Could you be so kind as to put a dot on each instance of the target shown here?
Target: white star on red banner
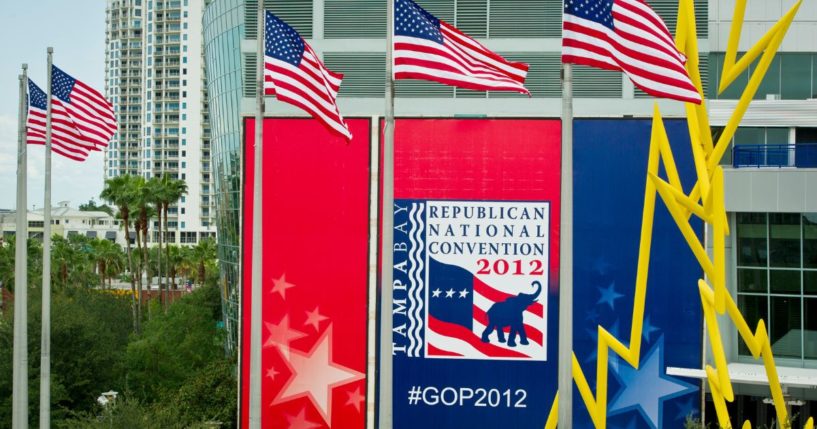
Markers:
(315, 375)
(314, 319)
(281, 285)
(281, 335)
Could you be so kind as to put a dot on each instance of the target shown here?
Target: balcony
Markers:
(799, 155)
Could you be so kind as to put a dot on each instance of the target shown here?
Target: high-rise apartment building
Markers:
(154, 75)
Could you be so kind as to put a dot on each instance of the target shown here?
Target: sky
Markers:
(76, 31)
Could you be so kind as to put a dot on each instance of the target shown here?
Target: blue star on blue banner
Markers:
(647, 389)
(609, 295)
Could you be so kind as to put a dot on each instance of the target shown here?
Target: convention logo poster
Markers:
(470, 279)
(315, 275)
(475, 272)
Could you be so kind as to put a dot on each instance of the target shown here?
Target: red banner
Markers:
(315, 271)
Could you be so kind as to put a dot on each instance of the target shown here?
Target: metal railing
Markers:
(798, 155)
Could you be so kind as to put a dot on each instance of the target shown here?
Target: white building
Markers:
(65, 222)
(155, 78)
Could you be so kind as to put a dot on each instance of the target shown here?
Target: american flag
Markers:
(66, 139)
(431, 49)
(628, 36)
(295, 74)
(90, 112)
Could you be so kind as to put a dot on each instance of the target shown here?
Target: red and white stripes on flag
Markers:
(627, 35)
(66, 139)
(294, 74)
(91, 113)
(430, 49)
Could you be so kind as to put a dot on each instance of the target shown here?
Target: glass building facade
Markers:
(223, 32)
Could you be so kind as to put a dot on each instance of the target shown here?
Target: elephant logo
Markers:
(508, 313)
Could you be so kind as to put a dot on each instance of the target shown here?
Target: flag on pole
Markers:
(66, 139)
(295, 75)
(628, 36)
(428, 48)
(90, 112)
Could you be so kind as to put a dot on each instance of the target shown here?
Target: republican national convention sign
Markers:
(471, 282)
(476, 255)
(476, 218)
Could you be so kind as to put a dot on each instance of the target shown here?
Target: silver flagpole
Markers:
(257, 236)
(45, 343)
(386, 255)
(19, 397)
(566, 256)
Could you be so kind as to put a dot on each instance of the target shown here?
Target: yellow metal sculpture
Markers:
(706, 201)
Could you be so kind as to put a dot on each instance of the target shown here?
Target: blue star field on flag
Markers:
(61, 84)
(598, 11)
(282, 41)
(412, 20)
(37, 96)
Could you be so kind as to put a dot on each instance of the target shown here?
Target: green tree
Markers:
(176, 344)
(172, 190)
(203, 253)
(92, 206)
(109, 259)
(89, 336)
(119, 191)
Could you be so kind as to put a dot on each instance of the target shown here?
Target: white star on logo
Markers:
(271, 373)
(449, 293)
(280, 335)
(356, 399)
(281, 285)
(314, 319)
(316, 375)
(299, 421)
(463, 293)
(436, 293)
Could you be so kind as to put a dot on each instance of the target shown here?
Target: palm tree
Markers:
(119, 192)
(107, 256)
(173, 259)
(164, 195)
(173, 191)
(62, 255)
(202, 253)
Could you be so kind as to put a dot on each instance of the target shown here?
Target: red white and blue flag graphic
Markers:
(628, 36)
(295, 75)
(471, 282)
(428, 48)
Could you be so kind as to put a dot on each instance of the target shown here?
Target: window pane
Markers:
(753, 309)
(785, 326)
(810, 340)
(785, 281)
(810, 282)
(771, 82)
(715, 61)
(735, 89)
(796, 74)
(784, 240)
(810, 240)
(777, 135)
(751, 239)
(752, 280)
(750, 135)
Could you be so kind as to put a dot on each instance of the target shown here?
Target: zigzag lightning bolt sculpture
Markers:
(706, 201)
